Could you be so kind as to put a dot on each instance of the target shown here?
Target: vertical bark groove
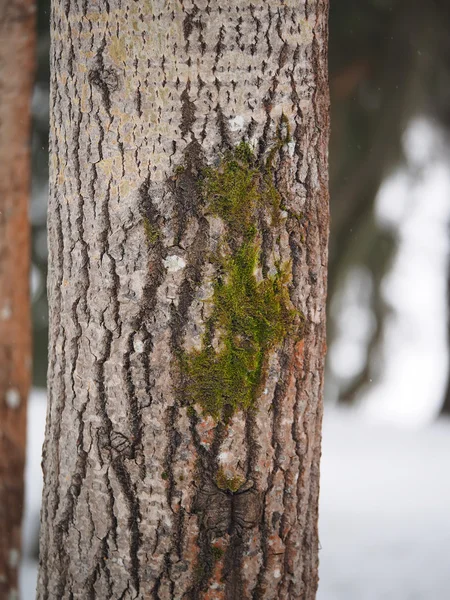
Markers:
(145, 495)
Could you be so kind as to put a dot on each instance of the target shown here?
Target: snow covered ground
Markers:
(384, 510)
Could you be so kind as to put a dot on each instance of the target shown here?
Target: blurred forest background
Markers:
(384, 524)
(389, 169)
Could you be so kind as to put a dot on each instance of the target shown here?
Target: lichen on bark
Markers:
(251, 313)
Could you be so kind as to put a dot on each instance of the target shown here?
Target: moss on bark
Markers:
(251, 314)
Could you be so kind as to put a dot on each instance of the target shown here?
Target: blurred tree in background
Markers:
(17, 37)
(387, 65)
(389, 62)
(38, 210)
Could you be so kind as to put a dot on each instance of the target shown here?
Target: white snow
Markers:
(37, 405)
(385, 498)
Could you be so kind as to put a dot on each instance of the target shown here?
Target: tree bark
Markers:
(16, 80)
(149, 491)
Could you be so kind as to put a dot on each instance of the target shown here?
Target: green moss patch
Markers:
(229, 484)
(152, 232)
(250, 315)
(217, 553)
(232, 190)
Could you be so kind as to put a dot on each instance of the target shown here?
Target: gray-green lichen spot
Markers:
(251, 314)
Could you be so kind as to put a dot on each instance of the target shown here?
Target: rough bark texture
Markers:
(16, 79)
(145, 495)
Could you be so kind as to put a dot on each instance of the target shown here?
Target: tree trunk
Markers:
(188, 225)
(445, 409)
(16, 80)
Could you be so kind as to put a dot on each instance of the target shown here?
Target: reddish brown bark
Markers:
(16, 78)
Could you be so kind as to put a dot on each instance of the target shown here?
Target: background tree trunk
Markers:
(149, 492)
(16, 80)
(446, 403)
